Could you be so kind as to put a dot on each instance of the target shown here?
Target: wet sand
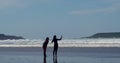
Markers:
(65, 55)
(61, 49)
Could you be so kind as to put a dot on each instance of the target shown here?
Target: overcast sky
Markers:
(36, 19)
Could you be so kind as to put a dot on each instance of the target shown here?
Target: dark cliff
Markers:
(106, 35)
(5, 37)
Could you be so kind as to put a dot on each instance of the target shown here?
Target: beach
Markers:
(65, 55)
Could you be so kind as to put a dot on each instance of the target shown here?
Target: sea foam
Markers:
(115, 42)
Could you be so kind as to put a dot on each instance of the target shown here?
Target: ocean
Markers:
(114, 42)
(70, 51)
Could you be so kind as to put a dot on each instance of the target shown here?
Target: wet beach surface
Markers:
(65, 55)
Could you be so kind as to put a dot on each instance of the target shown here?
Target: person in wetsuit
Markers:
(55, 40)
(45, 46)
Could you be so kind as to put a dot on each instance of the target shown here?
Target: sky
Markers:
(36, 19)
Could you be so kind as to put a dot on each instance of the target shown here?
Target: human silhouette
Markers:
(44, 60)
(55, 59)
(45, 45)
(55, 40)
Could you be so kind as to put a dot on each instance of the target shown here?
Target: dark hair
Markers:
(47, 38)
(54, 37)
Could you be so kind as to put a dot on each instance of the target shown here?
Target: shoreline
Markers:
(63, 49)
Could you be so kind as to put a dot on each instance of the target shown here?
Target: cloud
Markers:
(94, 11)
(115, 6)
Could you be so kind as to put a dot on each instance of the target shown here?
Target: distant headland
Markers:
(5, 37)
(106, 35)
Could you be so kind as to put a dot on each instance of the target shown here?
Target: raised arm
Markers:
(60, 38)
(52, 41)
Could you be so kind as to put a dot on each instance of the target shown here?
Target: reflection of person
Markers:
(45, 46)
(55, 40)
(44, 60)
(55, 60)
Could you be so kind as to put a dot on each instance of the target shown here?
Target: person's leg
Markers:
(44, 51)
(44, 60)
(56, 51)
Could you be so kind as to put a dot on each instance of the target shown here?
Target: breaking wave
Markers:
(115, 42)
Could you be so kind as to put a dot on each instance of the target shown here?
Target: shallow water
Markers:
(63, 57)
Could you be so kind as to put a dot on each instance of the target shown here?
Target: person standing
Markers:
(45, 46)
(55, 40)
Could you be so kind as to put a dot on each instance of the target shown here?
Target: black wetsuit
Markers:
(55, 44)
(45, 44)
(44, 47)
(55, 40)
